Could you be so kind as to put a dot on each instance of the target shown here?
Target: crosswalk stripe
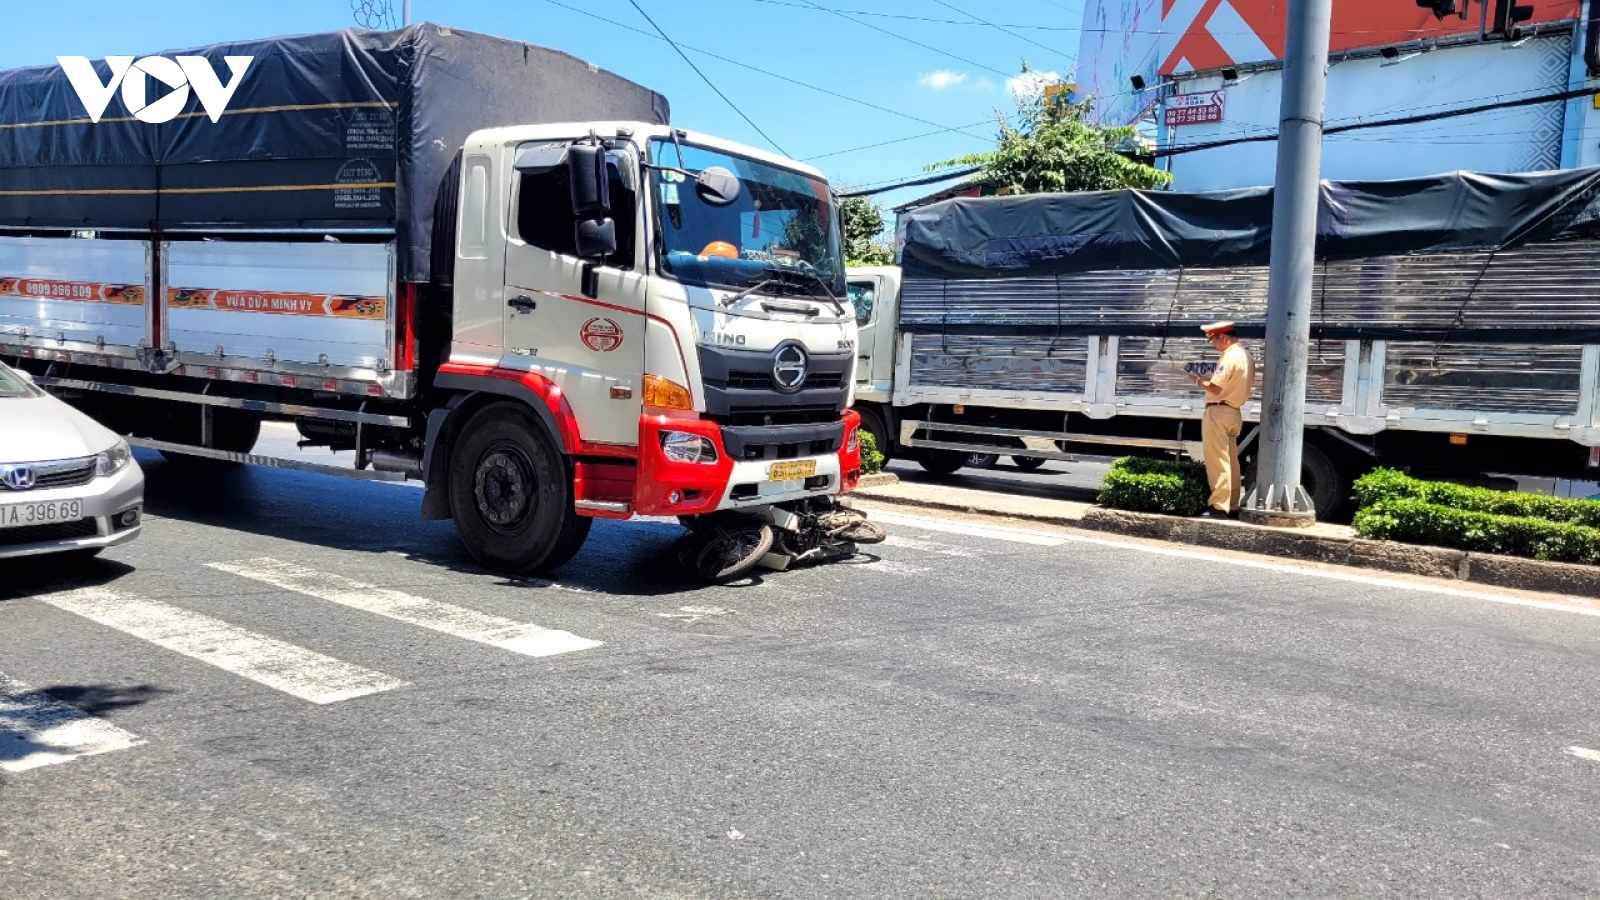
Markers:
(38, 730)
(282, 666)
(518, 637)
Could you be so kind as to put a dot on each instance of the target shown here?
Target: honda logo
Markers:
(789, 364)
(18, 478)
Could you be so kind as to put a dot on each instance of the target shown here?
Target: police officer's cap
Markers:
(1223, 327)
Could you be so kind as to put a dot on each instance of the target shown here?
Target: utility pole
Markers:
(407, 13)
(1276, 497)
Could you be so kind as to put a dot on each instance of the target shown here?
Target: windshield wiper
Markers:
(776, 277)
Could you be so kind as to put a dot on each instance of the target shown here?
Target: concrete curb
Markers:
(879, 479)
(1411, 559)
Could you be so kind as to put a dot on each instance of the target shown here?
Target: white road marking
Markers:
(910, 543)
(518, 637)
(1051, 539)
(891, 567)
(38, 730)
(1585, 753)
(282, 666)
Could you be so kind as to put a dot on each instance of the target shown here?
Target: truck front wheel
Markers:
(509, 494)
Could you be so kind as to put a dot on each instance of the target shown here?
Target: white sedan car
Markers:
(67, 484)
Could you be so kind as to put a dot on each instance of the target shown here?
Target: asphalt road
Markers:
(298, 689)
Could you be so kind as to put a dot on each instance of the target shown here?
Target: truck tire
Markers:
(233, 430)
(1325, 480)
(1027, 463)
(509, 493)
(573, 534)
(872, 424)
(942, 462)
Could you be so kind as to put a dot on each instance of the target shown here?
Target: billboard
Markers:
(1123, 39)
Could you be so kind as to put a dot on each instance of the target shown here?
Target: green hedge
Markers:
(1419, 522)
(1156, 485)
(1383, 485)
(871, 460)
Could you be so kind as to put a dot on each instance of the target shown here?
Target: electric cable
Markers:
(709, 83)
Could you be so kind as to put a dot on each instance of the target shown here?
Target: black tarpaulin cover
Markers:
(1042, 234)
(343, 130)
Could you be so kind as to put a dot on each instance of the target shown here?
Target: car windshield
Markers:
(781, 229)
(12, 385)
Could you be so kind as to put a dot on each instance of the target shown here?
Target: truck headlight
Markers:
(686, 447)
(110, 462)
(853, 442)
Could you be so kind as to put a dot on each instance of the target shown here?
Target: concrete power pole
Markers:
(1277, 497)
(407, 13)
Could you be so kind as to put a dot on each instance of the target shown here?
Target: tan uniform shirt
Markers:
(1234, 376)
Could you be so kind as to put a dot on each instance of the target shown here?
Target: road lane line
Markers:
(518, 637)
(278, 665)
(1585, 753)
(37, 730)
(1050, 539)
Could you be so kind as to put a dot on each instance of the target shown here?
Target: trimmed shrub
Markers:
(1419, 522)
(1382, 485)
(1156, 485)
(871, 460)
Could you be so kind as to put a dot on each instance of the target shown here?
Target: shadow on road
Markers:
(1050, 484)
(32, 575)
(625, 558)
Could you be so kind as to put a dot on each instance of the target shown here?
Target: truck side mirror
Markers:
(596, 237)
(717, 186)
(591, 191)
(596, 232)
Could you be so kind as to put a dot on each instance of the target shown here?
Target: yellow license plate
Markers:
(788, 471)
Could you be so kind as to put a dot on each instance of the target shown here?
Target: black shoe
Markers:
(1213, 513)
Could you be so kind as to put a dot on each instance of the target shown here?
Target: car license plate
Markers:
(788, 471)
(22, 515)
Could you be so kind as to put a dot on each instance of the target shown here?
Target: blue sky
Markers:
(878, 73)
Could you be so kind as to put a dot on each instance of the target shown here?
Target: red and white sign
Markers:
(601, 335)
(1193, 109)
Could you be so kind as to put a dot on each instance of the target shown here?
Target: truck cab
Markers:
(672, 306)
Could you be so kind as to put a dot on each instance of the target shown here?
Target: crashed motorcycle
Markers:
(725, 546)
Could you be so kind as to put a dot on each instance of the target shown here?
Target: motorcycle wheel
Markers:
(728, 551)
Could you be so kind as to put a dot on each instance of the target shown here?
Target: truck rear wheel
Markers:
(1325, 480)
(942, 462)
(872, 424)
(233, 430)
(509, 493)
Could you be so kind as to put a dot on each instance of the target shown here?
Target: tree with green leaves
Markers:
(863, 223)
(1053, 145)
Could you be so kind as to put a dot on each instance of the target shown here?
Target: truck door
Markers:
(875, 337)
(591, 346)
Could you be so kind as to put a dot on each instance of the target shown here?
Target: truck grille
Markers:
(39, 534)
(740, 392)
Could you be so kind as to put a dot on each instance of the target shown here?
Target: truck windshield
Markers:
(782, 223)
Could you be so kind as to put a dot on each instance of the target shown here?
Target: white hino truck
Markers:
(470, 261)
(1455, 326)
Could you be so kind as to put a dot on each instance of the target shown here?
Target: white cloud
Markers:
(941, 79)
(1031, 84)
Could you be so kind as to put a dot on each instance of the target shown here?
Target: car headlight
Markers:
(112, 461)
(686, 447)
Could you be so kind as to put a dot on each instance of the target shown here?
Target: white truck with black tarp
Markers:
(480, 263)
(1455, 329)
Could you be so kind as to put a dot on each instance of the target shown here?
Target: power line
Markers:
(931, 179)
(1004, 30)
(883, 15)
(784, 78)
(1386, 123)
(900, 140)
(1560, 96)
(708, 81)
(906, 39)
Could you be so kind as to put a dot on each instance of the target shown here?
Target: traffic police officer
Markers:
(1227, 391)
